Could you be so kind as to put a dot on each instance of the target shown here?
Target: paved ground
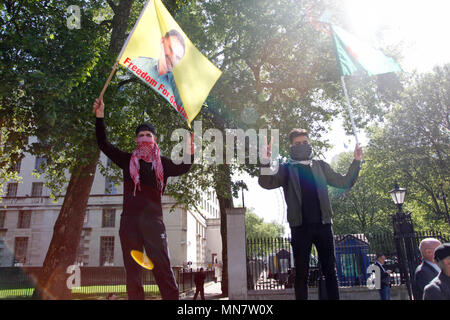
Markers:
(212, 292)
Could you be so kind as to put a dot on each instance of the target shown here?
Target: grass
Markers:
(83, 293)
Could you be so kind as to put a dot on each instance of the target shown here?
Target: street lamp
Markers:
(398, 196)
(404, 238)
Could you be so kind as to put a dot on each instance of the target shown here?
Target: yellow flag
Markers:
(160, 54)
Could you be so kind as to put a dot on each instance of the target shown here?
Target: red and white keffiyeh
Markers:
(148, 151)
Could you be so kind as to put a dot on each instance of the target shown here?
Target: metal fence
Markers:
(270, 261)
(18, 282)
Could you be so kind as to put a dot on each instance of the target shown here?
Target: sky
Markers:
(420, 27)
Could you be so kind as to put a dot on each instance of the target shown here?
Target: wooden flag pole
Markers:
(349, 109)
(109, 79)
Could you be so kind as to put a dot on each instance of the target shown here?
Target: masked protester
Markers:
(145, 174)
(304, 182)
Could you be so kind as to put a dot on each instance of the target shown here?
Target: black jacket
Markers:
(199, 278)
(148, 200)
(288, 178)
(438, 289)
(423, 275)
(385, 277)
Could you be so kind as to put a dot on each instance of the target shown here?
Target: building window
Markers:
(37, 164)
(86, 217)
(36, 189)
(12, 190)
(110, 187)
(2, 219)
(20, 251)
(83, 248)
(109, 218)
(24, 221)
(106, 251)
(2, 243)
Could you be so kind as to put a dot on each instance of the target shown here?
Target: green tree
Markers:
(276, 66)
(364, 208)
(262, 237)
(278, 72)
(412, 146)
(257, 228)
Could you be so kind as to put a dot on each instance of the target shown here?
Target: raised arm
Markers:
(115, 154)
(339, 181)
(345, 182)
(275, 180)
(171, 169)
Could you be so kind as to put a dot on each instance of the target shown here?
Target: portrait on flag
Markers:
(162, 56)
(161, 68)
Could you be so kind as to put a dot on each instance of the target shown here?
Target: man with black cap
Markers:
(145, 174)
(439, 288)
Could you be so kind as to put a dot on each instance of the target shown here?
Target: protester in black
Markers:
(141, 224)
(199, 280)
(304, 182)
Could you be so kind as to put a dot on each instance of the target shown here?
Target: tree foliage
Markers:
(410, 146)
(365, 207)
(413, 144)
(279, 72)
(257, 228)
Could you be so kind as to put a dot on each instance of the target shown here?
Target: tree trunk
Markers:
(225, 198)
(62, 251)
(67, 230)
(120, 25)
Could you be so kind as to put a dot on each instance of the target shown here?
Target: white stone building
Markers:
(27, 217)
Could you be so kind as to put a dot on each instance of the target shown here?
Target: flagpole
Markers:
(349, 107)
(109, 79)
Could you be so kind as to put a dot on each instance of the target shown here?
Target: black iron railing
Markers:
(270, 261)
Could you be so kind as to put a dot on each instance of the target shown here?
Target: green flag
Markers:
(354, 54)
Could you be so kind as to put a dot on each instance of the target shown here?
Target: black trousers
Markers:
(302, 239)
(137, 233)
(199, 288)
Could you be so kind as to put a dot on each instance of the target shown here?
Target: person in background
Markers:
(439, 288)
(199, 280)
(111, 296)
(385, 283)
(428, 269)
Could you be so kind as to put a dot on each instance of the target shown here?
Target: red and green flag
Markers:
(356, 55)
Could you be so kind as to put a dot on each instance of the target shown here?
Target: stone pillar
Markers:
(237, 260)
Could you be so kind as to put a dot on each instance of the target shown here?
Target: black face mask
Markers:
(301, 152)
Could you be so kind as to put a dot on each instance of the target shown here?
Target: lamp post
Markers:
(404, 238)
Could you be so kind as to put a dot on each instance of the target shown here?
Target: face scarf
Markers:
(148, 151)
(301, 154)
